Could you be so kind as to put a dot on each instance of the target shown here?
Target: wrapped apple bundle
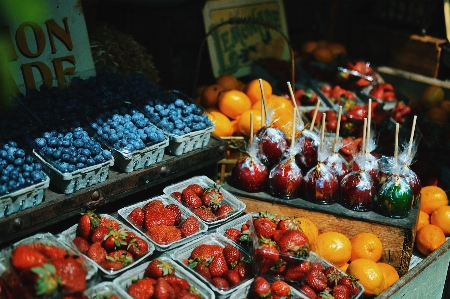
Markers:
(321, 186)
(272, 144)
(309, 140)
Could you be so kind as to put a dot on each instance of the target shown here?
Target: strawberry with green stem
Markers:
(115, 240)
(159, 268)
(87, 223)
(212, 197)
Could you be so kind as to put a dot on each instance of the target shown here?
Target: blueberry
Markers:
(10, 158)
(85, 152)
(98, 158)
(6, 146)
(159, 108)
(20, 181)
(4, 179)
(78, 143)
(179, 103)
(66, 143)
(63, 167)
(177, 132)
(106, 154)
(12, 143)
(12, 184)
(52, 142)
(3, 154)
(57, 154)
(3, 189)
(113, 138)
(81, 159)
(187, 130)
(80, 165)
(71, 168)
(26, 174)
(11, 150)
(18, 162)
(47, 135)
(29, 159)
(90, 162)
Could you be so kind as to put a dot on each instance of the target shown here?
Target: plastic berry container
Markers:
(237, 224)
(245, 291)
(104, 290)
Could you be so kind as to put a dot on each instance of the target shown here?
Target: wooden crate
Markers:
(397, 235)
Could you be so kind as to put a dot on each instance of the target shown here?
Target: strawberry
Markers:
(333, 276)
(212, 197)
(159, 268)
(233, 234)
(99, 234)
(264, 225)
(280, 289)
(141, 289)
(244, 269)
(218, 265)
(297, 272)
(88, 221)
(341, 292)
(205, 214)
(350, 282)
(72, 275)
(232, 255)
(294, 244)
(43, 278)
(121, 256)
(277, 235)
(204, 253)
(317, 280)
(202, 270)
(189, 226)
(24, 257)
(177, 196)
(138, 247)
(162, 216)
(110, 223)
(220, 283)
(154, 204)
(164, 234)
(5, 292)
(279, 267)
(317, 266)
(232, 277)
(111, 265)
(266, 254)
(190, 199)
(174, 208)
(261, 287)
(178, 284)
(224, 211)
(196, 188)
(49, 251)
(97, 253)
(137, 217)
(115, 240)
(163, 290)
(188, 295)
(289, 223)
(82, 244)
(308, 291)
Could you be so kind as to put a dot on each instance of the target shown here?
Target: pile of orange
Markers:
(323, 51)
(433, 225)
(233, 106)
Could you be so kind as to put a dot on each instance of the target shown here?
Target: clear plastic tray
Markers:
(68, 235)
(244, 291)
(365, 95)
(166, 200)
(104, 289)
(184, 252)
(126, 279)
(237, 204)
(237, 224)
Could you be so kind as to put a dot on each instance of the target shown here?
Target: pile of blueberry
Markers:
(70, 149)
(14, 122)
(52, 105)
(126, 129)
(17, 168)
(139, 88)
(175, 116)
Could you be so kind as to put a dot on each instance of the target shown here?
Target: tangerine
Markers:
(323, 55)
(423, 219)
(235, 126)
(370, 275)
(253, 90)
(228, 81)
(428, 238)
(438, 115)
(337, 49)
(431, 97)
(432, 197)
(390, 274)
(284, 123)
(334, 247)
(244, 122)
(366, 245)
(309, 47)
(309, 229)
(441, 218)
(223, 126)
(233, 103)
(210, 95)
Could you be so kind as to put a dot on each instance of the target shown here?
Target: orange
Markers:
(309, 47)
(366, 245)
(370, 275)
(334, 247)
(441, 218)
(437, 114)
(235, 126)
(244, 122)
(284, 123)
(222, 122)
(446, 105)
(210, 95)
(323, 55)
(431, 97)
(428, 238)
(233, 103)
(389, 273)
(432, 197)
(253, 90)
(423, 219)
(310, 230)
(228, 81)
(337, 49)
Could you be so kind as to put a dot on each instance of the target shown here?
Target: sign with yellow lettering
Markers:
(260, 31)
(44, 42)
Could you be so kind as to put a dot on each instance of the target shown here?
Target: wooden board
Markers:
(397, 235)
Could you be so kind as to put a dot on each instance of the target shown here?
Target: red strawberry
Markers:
(333, 276)
(317, 266)
(97, 253)
(196, 188)
(317, 280)
(224, 211)
(177, 196)
(163, 290)
(178, 284)
(341, 292)
(141, 289)
(82, 244)
(204, 253)
(350, 282)
(72, 275)
(294, 244)
(205, 214)
(233, 234)
(280, 289)
(218, 265)
(115, 240)
(190, 199)
(158, 268)
(154, 204)
(88, 221)
(264, 227)
(203, 270)
(138, 247)
(162, 216)
(220, 283)
(24, 257)
(99, 234)
(266, 254)
(232, 277)
(212, 197)
(297, 272)
(137, 217)
(5, 291)
(244, 269)
(232, 255)
(163, 234)
(110, 223)
(308, 291)
(174, 208)
(261, 287)
(42, 280)
(189, 226)
(188, 295)
(279, 267)
(49, 251)
(111, 265)
(289, 223)
(277, 235)
(121, 256)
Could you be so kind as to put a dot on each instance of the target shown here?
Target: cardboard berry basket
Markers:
(104, 290)
(166, 200)
(237, 205)
(68, 235)
(126, 279)
(183, 253)
(6, 268)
